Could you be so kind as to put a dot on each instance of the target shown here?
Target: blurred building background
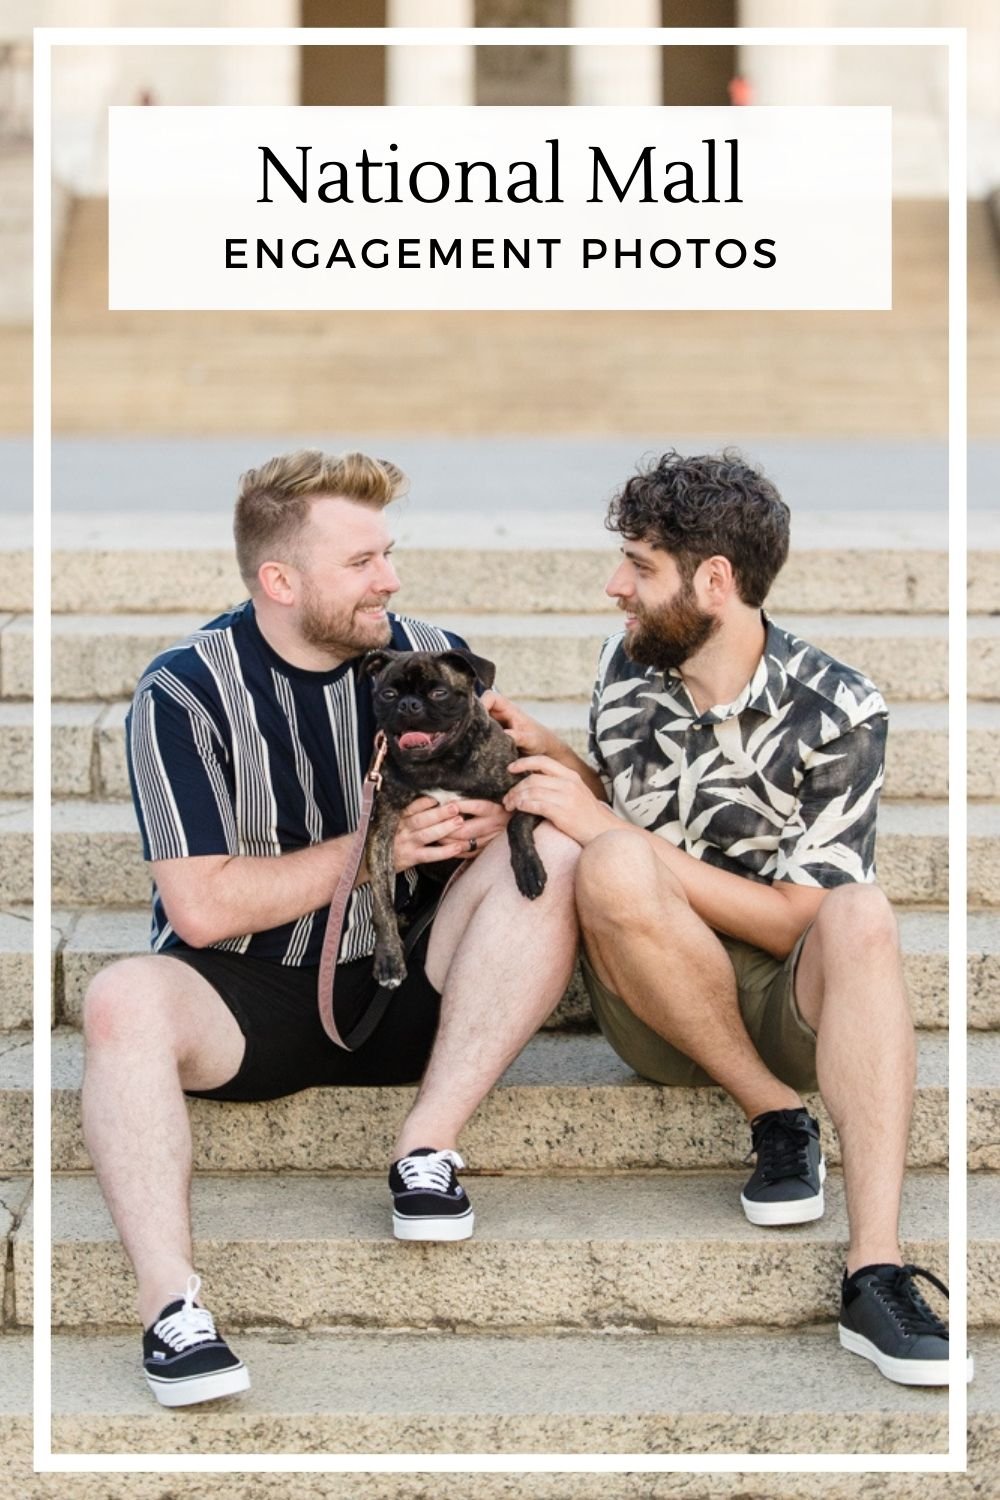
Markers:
(466, 373)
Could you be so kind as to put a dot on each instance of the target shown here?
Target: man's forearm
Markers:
(248, 893)
(772, 917)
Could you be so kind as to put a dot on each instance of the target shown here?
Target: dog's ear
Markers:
(475, 667)
(374, 662)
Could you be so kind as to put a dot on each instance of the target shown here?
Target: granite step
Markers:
(16, 937)
(491, 572)
(16, 597)
(567, 1104)
(647, 1250)
(88, 747)
(660, 1476)
(659, 1394)
(86, 940)
(680, 1392)
(15, 1214)
(97, 855)
(626, 1393)
(89, 940)
(537, 656)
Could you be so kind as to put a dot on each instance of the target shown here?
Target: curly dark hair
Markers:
(707, 506)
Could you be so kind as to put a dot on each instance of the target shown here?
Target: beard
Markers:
(667, 637)
(343, 630)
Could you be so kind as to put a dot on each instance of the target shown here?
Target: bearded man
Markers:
(732, 928)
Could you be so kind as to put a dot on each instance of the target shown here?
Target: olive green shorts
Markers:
(766, 988)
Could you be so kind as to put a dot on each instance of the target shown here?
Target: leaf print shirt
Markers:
(781, 784)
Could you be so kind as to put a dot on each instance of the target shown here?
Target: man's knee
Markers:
(127, 1002)
(620, 882)
(858, 918)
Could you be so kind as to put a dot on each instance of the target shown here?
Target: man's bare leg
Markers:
(502, 963)
(648, 946)
(153, 1027)
(849, 987)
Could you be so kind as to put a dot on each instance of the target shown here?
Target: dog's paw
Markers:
(530, 877)
(390, 970)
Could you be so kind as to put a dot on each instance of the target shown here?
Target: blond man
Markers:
(248, 743)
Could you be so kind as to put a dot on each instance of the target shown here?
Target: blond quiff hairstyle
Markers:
(274, 501)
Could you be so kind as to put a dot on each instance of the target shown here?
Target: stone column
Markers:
(259, 75)
(789, 75)
(615, 75)
(983, 20)
(83, 85)
(430, 75)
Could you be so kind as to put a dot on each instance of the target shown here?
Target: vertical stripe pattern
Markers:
(233, 751)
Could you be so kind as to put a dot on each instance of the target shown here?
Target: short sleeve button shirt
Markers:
(781, 784)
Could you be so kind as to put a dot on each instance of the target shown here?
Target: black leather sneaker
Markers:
(787, 1184)
(184, 1358)
(428, 1202)
(884, 1318)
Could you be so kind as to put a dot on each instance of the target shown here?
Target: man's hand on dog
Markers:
(530, 737)
(553, 791)
(429, 832)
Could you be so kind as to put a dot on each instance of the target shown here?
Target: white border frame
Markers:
(954, 40)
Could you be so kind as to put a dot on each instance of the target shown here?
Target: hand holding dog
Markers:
(429, 832)
(554, 791)
(530, 737)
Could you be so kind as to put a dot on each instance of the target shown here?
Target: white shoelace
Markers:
(432, 1172)
(189, 1324)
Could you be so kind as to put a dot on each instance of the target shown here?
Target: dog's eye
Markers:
(438, 692)
(387, 694)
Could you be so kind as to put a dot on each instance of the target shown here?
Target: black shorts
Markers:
(287, 1049)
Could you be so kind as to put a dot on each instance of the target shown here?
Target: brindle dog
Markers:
(441, 743)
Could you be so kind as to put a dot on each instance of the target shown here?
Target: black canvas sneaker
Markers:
(428, 1202)
(787, 1184)
(184, 1358)
(884, 1318)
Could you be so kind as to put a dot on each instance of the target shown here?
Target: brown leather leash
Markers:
(327, 975)
(338, 910)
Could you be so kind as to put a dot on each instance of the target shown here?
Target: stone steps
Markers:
(537, 656)
(85, 941)
(528, 554)
(646, 1250)
(97, 857)
(89, 940)
(16, 931)
(88, 747)
(567, 1104)
(683, 1392)
(567, 578)
(565, 1482)
(627, 1393)
(585, 1243)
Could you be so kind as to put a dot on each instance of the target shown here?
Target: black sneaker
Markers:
(184, 1358)
(787, 1184)
(428, 1202)
(885, 1319)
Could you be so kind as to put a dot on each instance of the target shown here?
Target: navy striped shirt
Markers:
(232, 750)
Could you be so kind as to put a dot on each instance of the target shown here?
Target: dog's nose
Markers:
(411, 708)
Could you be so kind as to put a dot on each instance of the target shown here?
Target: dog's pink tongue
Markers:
(412, 739)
